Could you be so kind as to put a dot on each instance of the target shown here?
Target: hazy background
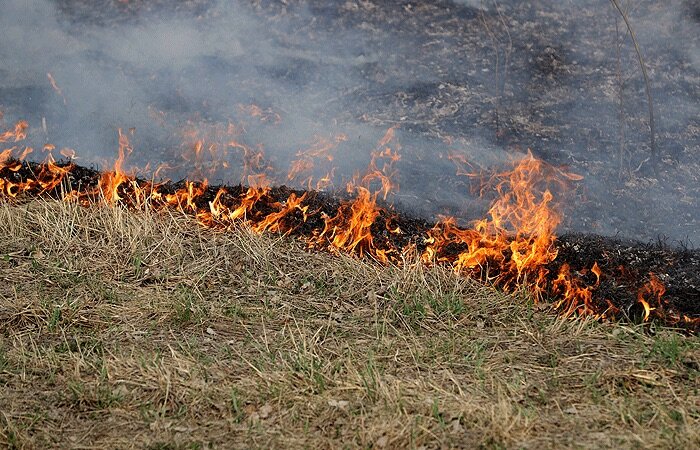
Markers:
(481, 80)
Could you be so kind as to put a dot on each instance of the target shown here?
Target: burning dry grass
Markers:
(126, 328)
(513, 247)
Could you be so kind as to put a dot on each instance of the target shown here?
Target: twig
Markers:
(507, 52)
(620, 82)
(501, 79)
(647, 87)
(495, 47)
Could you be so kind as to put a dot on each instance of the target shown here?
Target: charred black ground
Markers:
(626, 265)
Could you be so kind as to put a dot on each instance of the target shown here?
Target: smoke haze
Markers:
(482, 80)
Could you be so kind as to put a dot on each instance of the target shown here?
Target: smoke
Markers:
(183, 71)
(480, 80)
(169, 78)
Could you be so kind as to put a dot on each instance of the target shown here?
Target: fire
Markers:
(48, 176)
(5, 158)
(263, 115)
(597, 272)
(217, 150)
(18, 133)
(274, 221)
(350, 229)
(574, 297)
(517, 236)
(301, 170)
(513, 246)
(387, 174)
(651, 293)
(247, 202)
(111, 181)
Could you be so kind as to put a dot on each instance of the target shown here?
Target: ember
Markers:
(514, 247)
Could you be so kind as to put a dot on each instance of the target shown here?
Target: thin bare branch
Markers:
(647, 84)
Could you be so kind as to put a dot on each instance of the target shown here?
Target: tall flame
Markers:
(301, 169)
(517, 236)
(350, 229)
(18, 133)
(111, 180)
(651, 293)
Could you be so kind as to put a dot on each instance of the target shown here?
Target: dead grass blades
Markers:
(129, 329)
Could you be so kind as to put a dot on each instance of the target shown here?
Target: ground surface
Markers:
(123, 329)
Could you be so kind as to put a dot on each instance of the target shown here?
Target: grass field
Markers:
(127, 329)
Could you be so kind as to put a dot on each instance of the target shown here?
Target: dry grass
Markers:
(122, 329)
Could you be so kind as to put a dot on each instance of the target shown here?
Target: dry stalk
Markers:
(620, 81)
(501, 78)
(647, 85)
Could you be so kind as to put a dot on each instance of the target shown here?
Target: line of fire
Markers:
(514, 247)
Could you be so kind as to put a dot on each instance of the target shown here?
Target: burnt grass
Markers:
(626, 265)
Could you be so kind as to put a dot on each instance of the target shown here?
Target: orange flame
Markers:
(651, 292)
(387, 174)
(350, 229)
(264, 115)
(274, 221)
(211, 150)
(301, 169)
(17, 134)
(111, 181)
(518, 235)
(575, 298)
